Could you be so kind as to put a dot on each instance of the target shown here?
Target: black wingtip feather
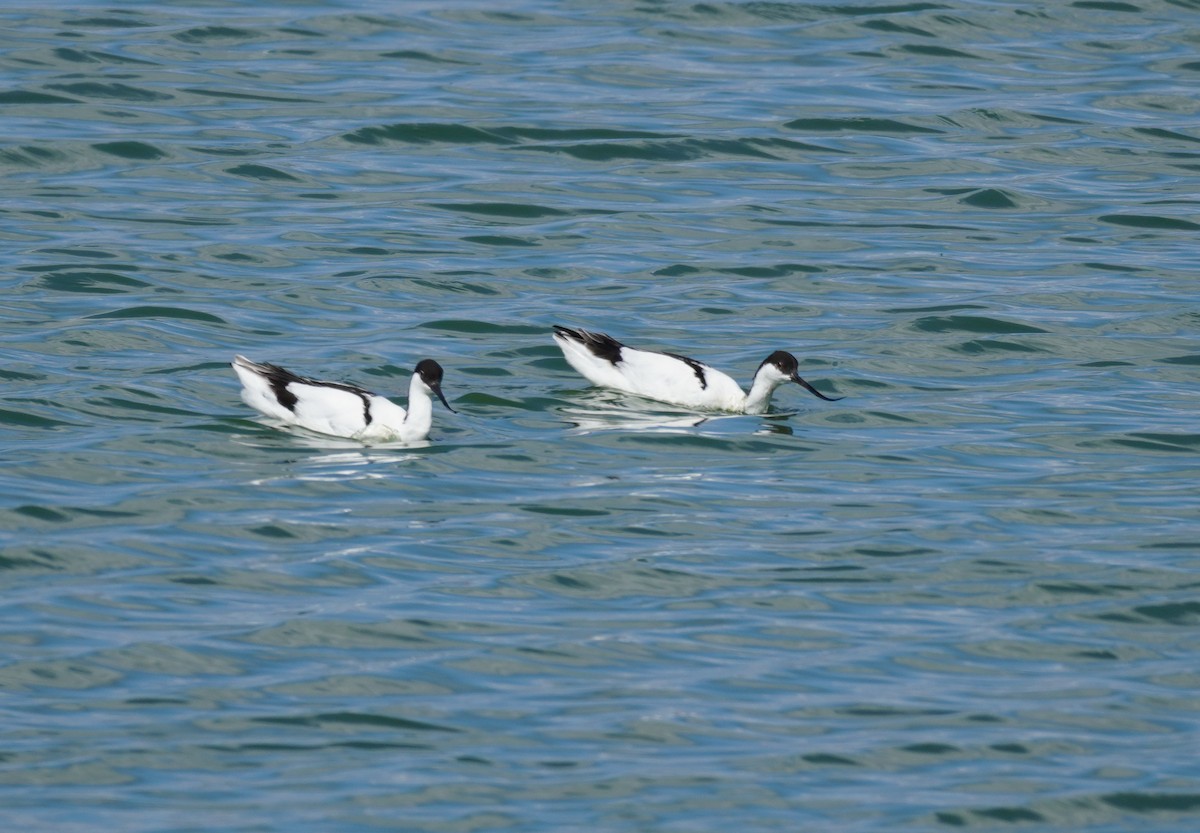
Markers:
(600, 345)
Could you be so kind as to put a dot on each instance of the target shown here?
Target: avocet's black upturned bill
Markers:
(338, 409)
(606, 362)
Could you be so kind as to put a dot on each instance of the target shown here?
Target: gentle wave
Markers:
(572, 608)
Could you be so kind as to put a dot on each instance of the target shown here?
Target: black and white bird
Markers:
(338, 409)
(674, 379)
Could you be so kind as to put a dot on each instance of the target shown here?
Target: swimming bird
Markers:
(675, 379)
(339, 409)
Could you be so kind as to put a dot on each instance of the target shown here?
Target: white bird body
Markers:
(338, 409)
(674, 379)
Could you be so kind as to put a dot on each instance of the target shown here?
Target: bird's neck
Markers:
(759, 396)
(420, 406)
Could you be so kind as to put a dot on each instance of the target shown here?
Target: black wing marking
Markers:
(608, 348)
(696, 367)
(279, 378)
(601, 346)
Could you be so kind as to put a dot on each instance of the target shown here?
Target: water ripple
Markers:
(960, 597)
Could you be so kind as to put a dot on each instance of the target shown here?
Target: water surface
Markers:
(962, 597)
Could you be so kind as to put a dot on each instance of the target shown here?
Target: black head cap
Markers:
(429, 371)
(785, 361)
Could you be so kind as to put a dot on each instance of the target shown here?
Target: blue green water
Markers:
(965, 596)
